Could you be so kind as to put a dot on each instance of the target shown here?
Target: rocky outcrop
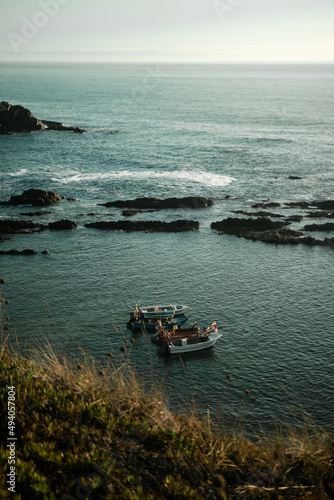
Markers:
(19, 119)
(129, 213)
(158, 204)
(327, 205)
(266, 204)
(62, 225)
(9, 226)
(324, 205)
(148, 226)
(239, 227)
(35, 197)
(282, 237)
(267, 231)
(27, 251)
(34, 214)
(329, 226)
(260, 213)
(320, 215)
(52, 125)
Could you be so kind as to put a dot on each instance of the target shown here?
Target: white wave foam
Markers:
(193, 176)
(20, 172)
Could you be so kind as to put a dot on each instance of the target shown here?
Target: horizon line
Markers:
(89, 61)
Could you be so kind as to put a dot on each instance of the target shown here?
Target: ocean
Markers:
(234, 133)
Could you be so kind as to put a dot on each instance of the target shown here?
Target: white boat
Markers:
(164, 334)
(161, 311)
(192, 344)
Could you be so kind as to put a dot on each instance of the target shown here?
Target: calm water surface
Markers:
(213, 131)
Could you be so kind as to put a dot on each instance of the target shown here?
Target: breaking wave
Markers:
(194, 176)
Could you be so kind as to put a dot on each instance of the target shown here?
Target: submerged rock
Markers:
(9, 226)
(329, 226)
(260, 230)
(324, 205)
(149, 226)
(62, 225)
(321, 205)
(266, 204)
(129, 213)
(35, 197)
(260, 213)
(239, 227)
(142, 203)
(27, 251)
(34, 214)
(52, 125)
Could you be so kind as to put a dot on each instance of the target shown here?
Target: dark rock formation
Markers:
(149, 226)
(62, 225)
(324, 205)
(9, 226)
(282, 237)
(129, 213)
(142, 203)
(239, 227)
(260, 230)
(27, 251)
(266, 205)
(294, 218)
(321, 205)
(17, 119)
(260, 213)
(34, 214)
(35, 197)
(52, 125)
(320, 215)
(329, 226)
(298, 204)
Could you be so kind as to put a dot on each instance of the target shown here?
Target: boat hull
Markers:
(171, 335)
(185, 345)
(153, 324)
(162, 311)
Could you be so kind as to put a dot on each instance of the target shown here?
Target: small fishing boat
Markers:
(192, 344)
(153, 324)
(164, 334)
(161, 311)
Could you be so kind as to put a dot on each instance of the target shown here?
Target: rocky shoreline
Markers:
(146, 226)
(157, 204)
(16, 118)
(260, 228)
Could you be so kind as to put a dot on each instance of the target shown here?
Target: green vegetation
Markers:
(86, 431)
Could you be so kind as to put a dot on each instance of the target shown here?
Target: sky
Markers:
(167, 30)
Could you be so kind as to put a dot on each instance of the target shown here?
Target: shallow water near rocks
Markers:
(211, 130)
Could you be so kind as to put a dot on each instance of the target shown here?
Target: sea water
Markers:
(233, 133)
